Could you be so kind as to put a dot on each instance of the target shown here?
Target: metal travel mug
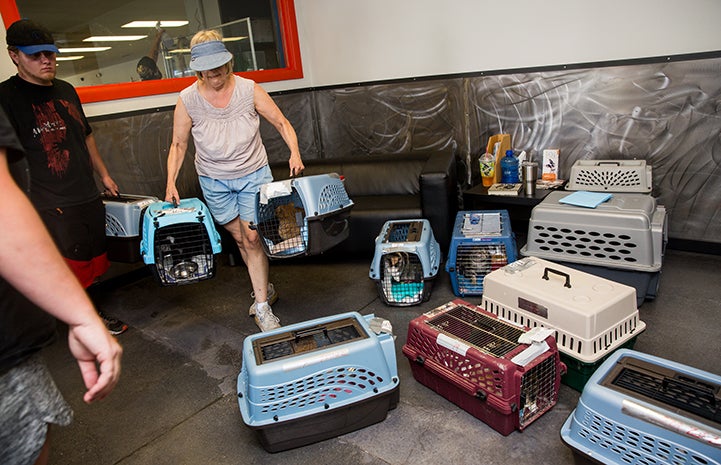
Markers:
(529, 169)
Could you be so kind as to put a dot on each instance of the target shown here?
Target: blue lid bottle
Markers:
(509, 168)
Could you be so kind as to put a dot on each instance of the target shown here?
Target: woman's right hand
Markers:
(171, 195)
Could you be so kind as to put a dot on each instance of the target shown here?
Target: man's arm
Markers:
(99, 166)
(56, 290)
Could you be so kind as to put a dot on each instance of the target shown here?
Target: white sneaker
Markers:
(272, 297)
(264, 317)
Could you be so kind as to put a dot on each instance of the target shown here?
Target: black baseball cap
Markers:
(30, 37)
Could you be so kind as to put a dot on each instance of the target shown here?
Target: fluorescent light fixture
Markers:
(113, 38)
(83, 49)
(149, 24)
(234, 39)
(70, 58)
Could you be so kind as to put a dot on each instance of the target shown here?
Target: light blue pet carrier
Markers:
(302, 216)
(317, 379)
(639, 409)
(406, 260)
(179, 243)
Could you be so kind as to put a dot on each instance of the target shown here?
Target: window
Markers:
(261, 34)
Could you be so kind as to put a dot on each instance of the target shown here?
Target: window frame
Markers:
(106, 92)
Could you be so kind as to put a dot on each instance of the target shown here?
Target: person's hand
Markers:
(171, 195)
(98, 355)
(110, 186)
(296, 165)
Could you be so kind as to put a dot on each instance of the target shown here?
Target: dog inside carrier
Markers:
(406, 260)
(302, 216)
(180, 242)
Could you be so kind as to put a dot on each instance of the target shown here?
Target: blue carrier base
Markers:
(326, 425)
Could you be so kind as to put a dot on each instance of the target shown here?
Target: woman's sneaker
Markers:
(264, 318)
(114, 325)
(272, 298)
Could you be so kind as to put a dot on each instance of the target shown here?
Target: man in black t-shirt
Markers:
(61, 153)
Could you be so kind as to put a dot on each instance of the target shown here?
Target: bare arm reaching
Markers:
(56, 290)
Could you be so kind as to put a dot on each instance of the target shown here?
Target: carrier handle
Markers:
(565, 275)
(614, 163)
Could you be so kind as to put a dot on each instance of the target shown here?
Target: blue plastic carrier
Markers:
(407, 258)
(638, 409)
(302, 216)
(482, 241)
(179, 242)
(317, 379)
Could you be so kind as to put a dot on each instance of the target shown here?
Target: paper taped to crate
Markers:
(530, 353)
(275, 189)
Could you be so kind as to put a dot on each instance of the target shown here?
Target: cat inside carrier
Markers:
(302, 216)
(406, 260)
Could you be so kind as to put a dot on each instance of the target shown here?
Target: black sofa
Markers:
(391, 187)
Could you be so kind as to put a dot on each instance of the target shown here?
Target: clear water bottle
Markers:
(509, 168)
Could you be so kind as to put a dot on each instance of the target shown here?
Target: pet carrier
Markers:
(623, 239)
(482, 241)
(405, 262)
(302, 216)
(610, 176)
(123, 218)
(317, 379)
(179, 242)
(498, 372)
(638, 409)
(591, 316)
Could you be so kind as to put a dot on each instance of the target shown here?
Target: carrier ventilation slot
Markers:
(404, 232)
(624, 178)
(487, 334)
(586, 243)
(682, 392)
(307, 340)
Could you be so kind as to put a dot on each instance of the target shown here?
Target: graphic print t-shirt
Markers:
(52, 128)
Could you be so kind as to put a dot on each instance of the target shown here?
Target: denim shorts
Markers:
(228, 199)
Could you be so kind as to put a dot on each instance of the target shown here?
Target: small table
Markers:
(519, 207)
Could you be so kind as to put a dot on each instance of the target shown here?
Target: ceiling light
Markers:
(113, 38)
(149, 24)
(234, 39)
(70, 58)
(83, 49)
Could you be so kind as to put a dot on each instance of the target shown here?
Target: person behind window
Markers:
(35, 288)
(222, 112)
(61, 154)
(147, 66)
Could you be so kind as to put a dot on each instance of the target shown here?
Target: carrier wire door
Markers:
(406, 260)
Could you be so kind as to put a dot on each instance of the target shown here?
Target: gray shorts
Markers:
(29, 401)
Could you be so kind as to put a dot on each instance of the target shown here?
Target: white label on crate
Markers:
(178, 210)
(314, 360)
(530, 354)
(452, 344)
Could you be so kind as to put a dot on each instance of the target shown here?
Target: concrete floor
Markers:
(176, 402)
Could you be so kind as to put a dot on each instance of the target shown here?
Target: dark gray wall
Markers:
(667, 113)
